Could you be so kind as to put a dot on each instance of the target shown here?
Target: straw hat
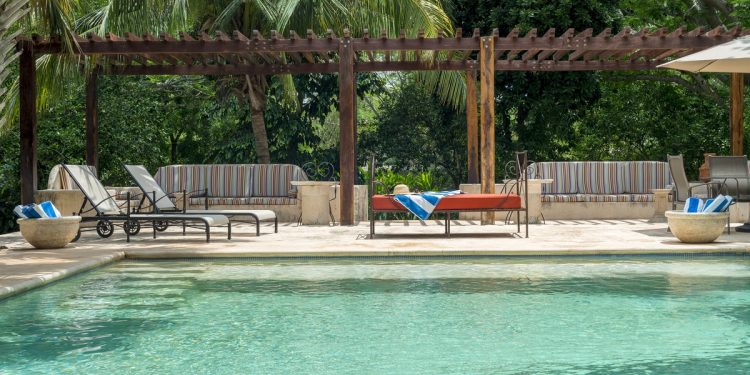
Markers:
(401, 189)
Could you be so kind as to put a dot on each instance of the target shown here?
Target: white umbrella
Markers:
(730, 57)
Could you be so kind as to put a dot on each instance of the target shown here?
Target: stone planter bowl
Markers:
(697, 228)
(49, 233)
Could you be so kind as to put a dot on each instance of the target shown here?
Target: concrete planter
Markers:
(697, 228)
(49, 233)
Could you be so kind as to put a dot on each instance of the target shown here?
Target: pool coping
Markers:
(113, 257)
(60, 274)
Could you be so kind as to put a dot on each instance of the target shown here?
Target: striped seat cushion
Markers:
(219, 201)
(597, 198)
(229, 201)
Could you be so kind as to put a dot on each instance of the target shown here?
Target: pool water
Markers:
(613, 315)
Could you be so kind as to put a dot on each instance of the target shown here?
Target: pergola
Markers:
(238, 54)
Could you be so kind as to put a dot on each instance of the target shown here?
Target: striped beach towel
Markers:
(422, 204)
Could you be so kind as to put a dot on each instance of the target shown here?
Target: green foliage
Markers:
(643, 120)
(416, 133)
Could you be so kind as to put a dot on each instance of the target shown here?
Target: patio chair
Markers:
(109, 213)
(730, 176)
(682, 189)
(162, 203)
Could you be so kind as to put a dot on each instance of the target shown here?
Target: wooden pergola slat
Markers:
(239, 54)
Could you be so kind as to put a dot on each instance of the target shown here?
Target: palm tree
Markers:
(285, 16)
(156, 16)
(10, 12)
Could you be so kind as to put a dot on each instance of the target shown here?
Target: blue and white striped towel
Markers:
(693, 205)
(719, 204)
(423, 204)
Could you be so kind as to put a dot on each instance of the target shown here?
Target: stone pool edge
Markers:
(107, 259)
(60, 274)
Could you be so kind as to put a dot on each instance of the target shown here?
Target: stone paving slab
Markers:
(22, 267)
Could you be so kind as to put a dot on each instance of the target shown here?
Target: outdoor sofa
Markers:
(600, 189)
(235, 187)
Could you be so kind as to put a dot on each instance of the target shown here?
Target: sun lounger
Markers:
(507, 200)
(163, 204)
(108, 213)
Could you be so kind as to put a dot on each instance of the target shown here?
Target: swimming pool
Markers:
(667, 315)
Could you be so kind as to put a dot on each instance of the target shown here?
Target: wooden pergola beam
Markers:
(347, 145)
(28, 124)
(92, 125)
(377, 66)
(472, 130)
(737, 109)
(487, 122)
(583, 42)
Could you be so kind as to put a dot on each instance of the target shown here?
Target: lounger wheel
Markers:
(161, 226)
(132, 227)
(104, 228)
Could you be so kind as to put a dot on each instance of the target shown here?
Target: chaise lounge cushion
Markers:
(461, 202)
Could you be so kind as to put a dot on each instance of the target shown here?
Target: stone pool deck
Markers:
(23, 268)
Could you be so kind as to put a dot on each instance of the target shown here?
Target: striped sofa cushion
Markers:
(600, 177)
(274, 180)
(177, 178)
(640, 177)
(229, 180)
(564, 176)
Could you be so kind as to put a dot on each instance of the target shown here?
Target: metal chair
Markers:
(730, 176)
(682, 189)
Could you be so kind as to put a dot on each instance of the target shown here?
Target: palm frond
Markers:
(11, 12)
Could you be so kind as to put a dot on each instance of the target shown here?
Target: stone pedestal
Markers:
(313, 196)
(661, 202)
(535, 200)
(68, 202)
(320, 199)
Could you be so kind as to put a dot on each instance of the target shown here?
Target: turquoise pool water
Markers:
(456, 316)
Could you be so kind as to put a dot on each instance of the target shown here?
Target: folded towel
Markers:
(719, 204)
(49, 209)
(422, 205)
(37, 211)
(693, 205)
(19, 212)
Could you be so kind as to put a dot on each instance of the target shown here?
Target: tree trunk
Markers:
(261, 139)
(256, 90)
(173, 153)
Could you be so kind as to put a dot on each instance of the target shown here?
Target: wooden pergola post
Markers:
(487, 115)
(472, 129)
(346, 130)
(27, 103)
(737, 109)
(92, 126)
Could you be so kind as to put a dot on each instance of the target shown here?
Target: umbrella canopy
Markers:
(730, 57)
